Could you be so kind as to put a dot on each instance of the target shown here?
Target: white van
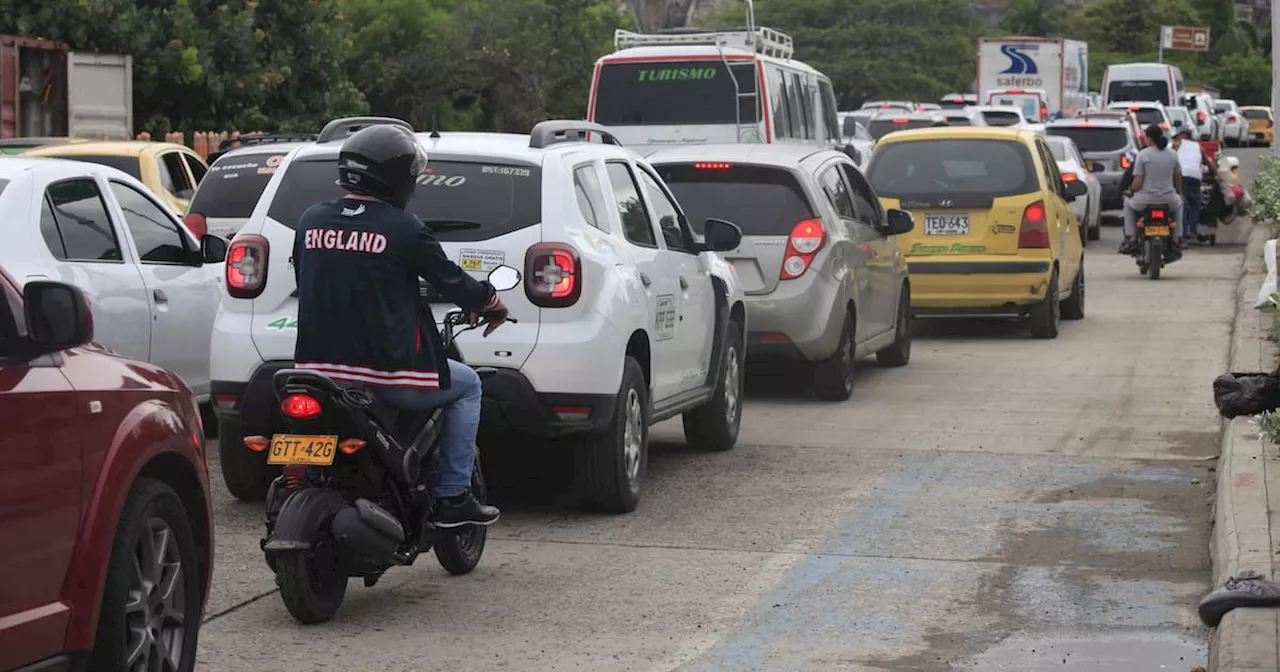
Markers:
(677, 88)
(1127, 82)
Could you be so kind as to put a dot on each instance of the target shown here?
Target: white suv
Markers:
(626, 318)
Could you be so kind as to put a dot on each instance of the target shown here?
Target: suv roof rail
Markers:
(555, 131)
(264, 139)
(339, 129)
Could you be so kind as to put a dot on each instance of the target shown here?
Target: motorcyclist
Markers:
(1157, 180)
(1193, 162)
(361, 319)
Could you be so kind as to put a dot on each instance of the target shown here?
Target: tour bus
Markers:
(684, 87)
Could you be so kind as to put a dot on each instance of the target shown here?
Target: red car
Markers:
(105, 516)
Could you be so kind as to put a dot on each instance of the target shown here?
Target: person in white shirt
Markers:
(1190, 159)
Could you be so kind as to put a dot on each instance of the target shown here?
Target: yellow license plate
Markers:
(313, 451)
(472, 264)
(1157, 231)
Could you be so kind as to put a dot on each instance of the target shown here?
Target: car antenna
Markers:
(435, 126)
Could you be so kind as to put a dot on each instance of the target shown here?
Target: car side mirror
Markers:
(504, 277)
(1075, 189)
(853, 153)
(57, 316)
(213, 249)
(897, 222)
(720, 235)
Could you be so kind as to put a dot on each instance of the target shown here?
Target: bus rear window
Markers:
(674, 92)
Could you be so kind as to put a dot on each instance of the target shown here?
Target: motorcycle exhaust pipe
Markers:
(369, 531)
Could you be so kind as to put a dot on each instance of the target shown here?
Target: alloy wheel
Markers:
(633, 435)
(156, 604)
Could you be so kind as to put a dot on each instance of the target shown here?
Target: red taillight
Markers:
(1135, 108)
(300, 407)
(1013, 90)
(884, 106)
(1070, 177)
(196, 224)
(806, 239)
(1088, 124)
(1044, 112)
(1035, 232)
(1125, 162)
(247, 266)
(552, 275)
(1157, 214)
(1231, 117)
(1201, 116)
(901, 121)
(957, 99)
(712, 166)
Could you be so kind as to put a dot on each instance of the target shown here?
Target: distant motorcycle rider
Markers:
(1157, 180)
(361, 319)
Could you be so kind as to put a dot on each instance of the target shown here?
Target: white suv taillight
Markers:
(806, 239)
(247, 266)
(552, 275)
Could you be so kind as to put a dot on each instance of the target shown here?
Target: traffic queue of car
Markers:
(707, 216)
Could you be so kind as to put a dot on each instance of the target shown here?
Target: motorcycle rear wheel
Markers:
(1155, 257)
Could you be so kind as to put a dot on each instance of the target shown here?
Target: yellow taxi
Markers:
(1262, 123)
(170, 170)
(995, 232)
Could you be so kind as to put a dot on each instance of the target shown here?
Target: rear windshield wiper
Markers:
(451, 224)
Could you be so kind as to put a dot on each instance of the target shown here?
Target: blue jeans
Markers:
(461, 403)
(1190, 206)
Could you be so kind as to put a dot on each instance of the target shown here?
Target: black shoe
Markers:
(463, 510)
(1128, 247)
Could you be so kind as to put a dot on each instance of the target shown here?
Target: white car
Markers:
(154, 288)
(1148, 113)
(1001, 115)
(1235, 128)
(1071, 165)
(626, 318)
(964, 116)
(1200, 107)
(229, 191)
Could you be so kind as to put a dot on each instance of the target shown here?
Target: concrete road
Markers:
(1001, 503)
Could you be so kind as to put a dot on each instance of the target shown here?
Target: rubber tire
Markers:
(599, 462)
(1072, 307)
(209, 421)
(1155, 258)
(832, 380)
(1095, 232)
(706, 427)
(245, 473)
(147, 497)
(293, 577)
(899, 354)
(1045, 315)
(448, 552)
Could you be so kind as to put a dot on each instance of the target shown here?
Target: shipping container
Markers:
(47, 90)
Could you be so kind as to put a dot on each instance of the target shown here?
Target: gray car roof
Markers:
(771, 154)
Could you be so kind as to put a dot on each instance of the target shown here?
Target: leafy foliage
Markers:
(1266, 190)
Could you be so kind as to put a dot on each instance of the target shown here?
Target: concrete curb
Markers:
(1247, 639)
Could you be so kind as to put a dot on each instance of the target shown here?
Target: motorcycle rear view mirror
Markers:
(504, 277)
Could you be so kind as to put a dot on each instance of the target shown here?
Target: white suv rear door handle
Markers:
(684, 284)
(160, 296)
(644, 279)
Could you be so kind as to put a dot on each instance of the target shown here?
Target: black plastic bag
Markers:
(1246, 393)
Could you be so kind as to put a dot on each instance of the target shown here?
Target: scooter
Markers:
(1155, 245)
(353, 499)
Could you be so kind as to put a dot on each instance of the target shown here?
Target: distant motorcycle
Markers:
(1155, 247)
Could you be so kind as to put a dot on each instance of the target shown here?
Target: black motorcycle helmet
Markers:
(383, 161)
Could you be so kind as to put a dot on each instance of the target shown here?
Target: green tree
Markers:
(1244, 77)
(871, 48)
(1128, 26)
(1034, 18)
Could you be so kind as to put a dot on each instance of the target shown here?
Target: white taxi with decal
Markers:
(626, 317)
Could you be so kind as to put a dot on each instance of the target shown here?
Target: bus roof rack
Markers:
(339, 129)
(265, 139)
(760, 40)
(556, 131)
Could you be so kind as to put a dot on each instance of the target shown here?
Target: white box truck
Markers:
(1054, 73)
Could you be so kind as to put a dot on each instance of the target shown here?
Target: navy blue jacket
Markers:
(361, 318)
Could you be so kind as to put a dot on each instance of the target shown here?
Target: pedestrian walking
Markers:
(1191, 159)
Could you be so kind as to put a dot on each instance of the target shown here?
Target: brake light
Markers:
(1070, 177)
(712, 166)
(1231, 117)
(901, 121)
(921, 108)
(806, 239)
(196, 224)
(884, 106)
(1135, 108)
(1013, 90)
(1201, 116)
(1157, 214)
(1034, 233)
(553, 275)
(1044, 112)
(1125, 162)
(958, 99)
(247, 266)
(300, 407)
(1087, 124)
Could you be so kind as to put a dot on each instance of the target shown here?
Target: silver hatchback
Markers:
(824, 279)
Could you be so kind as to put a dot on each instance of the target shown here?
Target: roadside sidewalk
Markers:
(1247, 507)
